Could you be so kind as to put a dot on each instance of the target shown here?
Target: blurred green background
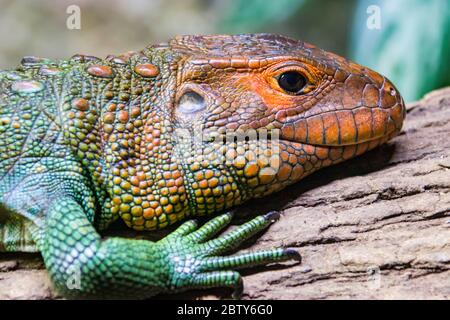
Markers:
(411, 47)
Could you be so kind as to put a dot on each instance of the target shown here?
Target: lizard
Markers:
(189, 128)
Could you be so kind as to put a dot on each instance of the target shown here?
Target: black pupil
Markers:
(292, 82)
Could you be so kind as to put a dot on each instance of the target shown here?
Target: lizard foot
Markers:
(195, 259)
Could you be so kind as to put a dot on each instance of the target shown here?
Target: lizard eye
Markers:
(292, 82)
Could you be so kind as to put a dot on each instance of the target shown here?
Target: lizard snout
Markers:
(369, 110)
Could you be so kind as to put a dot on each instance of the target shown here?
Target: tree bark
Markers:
(375, 227)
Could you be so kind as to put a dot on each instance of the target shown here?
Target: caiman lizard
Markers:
(189, 128)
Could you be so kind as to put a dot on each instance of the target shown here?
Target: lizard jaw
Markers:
(346, 127)
(373, 141)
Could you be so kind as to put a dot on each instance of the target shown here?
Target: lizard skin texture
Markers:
(144, 137)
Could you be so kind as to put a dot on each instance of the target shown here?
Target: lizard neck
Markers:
(135, 169)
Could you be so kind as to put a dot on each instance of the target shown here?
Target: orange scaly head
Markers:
(239, 117)
(326, 108)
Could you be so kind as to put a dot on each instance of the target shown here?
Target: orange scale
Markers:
(149, 213)
(349, 152)
(327, 162)
(284, 172)
(179, 181)
(322, 153)
(203, 184)
(284, 156)
(176, 174)
(335, 153)
(170, 183)
(309, 149)
(173, 190)
(292, 159)
(297, 172)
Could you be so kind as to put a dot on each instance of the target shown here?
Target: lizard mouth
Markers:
(367, 141)
(346, 127)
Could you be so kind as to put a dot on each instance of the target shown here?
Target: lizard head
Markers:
(244, 116)
(296, 108)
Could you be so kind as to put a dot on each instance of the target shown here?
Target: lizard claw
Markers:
(272, 216)
(195, 259)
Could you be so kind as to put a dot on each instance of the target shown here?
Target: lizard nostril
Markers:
(392, 91)
(389, 88)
